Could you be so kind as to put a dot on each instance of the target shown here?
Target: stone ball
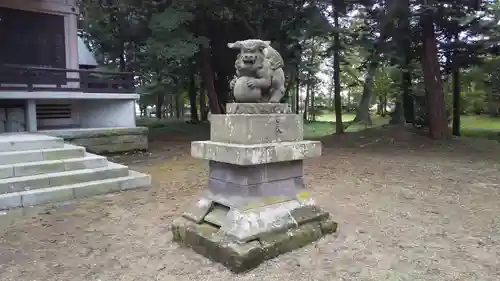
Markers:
(243, 93)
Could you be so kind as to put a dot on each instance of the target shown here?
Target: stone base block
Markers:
(211, 242)
(255, 154)
(256, 128)
(257, 219)
(258, 108)
(255, 174)
(245, 187)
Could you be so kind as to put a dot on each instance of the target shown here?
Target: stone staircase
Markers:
(37, 169)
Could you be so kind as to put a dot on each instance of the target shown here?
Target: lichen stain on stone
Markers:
(258, 156)
(238, 156)
(230, 125)
(304, 195)
(309, 202)
(264, 220)
(298, 151)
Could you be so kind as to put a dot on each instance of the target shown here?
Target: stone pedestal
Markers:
(255, 206)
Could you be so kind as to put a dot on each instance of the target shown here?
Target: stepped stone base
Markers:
(211, 242)
(255, 206)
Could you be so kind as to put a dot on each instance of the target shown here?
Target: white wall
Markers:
(12, 120)
(106, 113)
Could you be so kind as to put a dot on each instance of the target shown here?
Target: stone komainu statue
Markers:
(259, 72)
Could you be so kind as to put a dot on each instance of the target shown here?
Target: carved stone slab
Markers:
(254, 154)
(256, 128)
(258, 108)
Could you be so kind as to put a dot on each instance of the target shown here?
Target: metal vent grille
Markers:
(53, 111)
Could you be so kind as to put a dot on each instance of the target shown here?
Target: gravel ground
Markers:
(407, 208)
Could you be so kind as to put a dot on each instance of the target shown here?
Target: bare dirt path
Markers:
(408, 209)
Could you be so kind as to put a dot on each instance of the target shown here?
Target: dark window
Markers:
(32, 39)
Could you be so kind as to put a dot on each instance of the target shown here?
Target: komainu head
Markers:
(251, 56)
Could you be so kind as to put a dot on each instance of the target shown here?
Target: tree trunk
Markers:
(312, 108)
(339, 126)
(203, 106)
(168, 112)
(178, 105)
(406, 85)
(192, 98)
(288, 97)
(331, 102)
(363, 111)
(349, 103)
(436, 110)
(222, 89)
(123, 65)
(293, 101)
(144, 109)
(208, 80)
(159, 105)
(309, 105)
(379, 106)
(456, 94)
(398, 117)
(306, 102)
(384, 108)
(405, 33)
(297, 90)
(456, 102)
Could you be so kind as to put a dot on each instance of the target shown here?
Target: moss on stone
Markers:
(275, 244)
(179, 227)
(308, 214)
(212, 243)
(242, 257)
(328, 227)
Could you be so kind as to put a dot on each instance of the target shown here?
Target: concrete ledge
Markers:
(95, 132)
(40, 95)
(254, 154)
(90, 161)
(105, 140)
(35, 182)
(210, 242)
(24, 141)
(66, 152)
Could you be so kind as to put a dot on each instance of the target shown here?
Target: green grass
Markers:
(471, 126)
(480, 127)
(480, 122)
(325, 124)
(328, 116)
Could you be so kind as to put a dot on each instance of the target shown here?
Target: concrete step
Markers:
(67, 151)
(25, 183)
(74, 191)
(24, 141)
(89, 161)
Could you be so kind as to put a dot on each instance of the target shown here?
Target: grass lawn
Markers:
(471, 126)
(325, 124)
(480, 126)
